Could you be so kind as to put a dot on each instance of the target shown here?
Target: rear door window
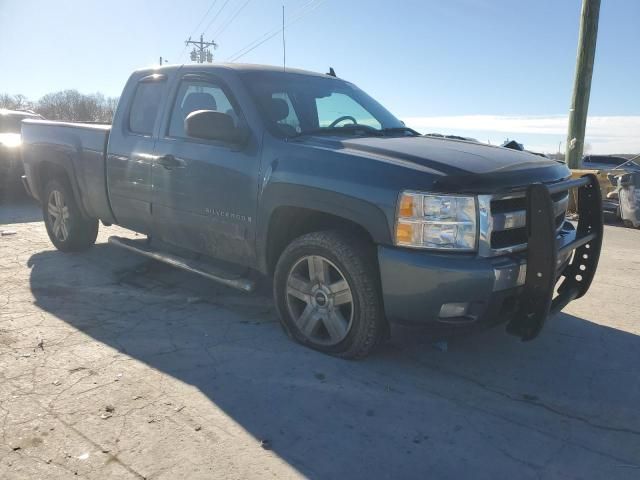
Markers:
(145, 106)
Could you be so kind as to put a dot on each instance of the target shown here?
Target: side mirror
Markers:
(212, 125)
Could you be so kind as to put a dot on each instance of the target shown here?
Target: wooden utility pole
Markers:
(582, 82)
(201, 52)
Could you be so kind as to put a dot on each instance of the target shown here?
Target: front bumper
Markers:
(517, 289)
(416, 285)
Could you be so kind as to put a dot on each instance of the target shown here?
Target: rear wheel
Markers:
(68, 228)
(327, 293)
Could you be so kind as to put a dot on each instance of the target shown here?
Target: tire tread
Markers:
(83, 230)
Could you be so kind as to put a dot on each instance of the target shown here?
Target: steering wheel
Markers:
(342, 119)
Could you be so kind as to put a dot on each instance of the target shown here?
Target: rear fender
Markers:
(62, 165)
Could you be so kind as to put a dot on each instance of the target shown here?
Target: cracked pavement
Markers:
(113, 366)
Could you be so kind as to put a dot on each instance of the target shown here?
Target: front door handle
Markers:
(169, 161)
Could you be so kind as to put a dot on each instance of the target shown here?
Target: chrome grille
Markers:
(503, 221)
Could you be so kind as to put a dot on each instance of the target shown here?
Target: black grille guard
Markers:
(537, 301)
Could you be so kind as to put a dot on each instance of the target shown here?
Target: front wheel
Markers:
(327, 293)
(68, 228)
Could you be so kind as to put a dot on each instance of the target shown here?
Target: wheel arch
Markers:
(48, 169)
(287, 223)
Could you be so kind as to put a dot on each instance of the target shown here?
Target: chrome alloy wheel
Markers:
(58, 215)
(319, 300)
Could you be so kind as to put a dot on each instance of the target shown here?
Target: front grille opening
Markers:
(514, 204)
(508, 238)
(516, 236)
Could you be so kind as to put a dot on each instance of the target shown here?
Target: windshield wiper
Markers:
(358, 129)
(347, 129)
(400, 130)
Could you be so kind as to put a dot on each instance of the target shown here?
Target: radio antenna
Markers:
(284, 45)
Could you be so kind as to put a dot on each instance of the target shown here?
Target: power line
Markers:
(269, 35)
(215, 17)
(235, 15)
(266, 36)
(213, 4)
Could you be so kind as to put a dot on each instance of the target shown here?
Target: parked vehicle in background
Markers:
(10, 147)
(235, 171)
(604, 162)
(618, 176)
(624, 200)
(626, 197)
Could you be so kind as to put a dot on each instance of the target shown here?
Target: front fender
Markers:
(365, 214)
(334, 181)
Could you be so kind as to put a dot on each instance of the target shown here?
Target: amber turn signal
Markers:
(406, 206)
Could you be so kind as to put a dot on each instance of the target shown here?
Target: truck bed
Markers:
(78, 148)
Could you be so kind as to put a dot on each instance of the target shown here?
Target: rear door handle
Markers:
(169, 162)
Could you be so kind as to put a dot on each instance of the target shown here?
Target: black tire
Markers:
(81, 231)
(355, 261)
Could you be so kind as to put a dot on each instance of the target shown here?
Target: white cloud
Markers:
(604, 134)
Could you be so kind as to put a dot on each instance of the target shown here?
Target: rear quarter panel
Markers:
(79, 149)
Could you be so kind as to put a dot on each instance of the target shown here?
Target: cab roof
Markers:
(238, 67)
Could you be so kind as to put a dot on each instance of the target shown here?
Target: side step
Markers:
(141, 247)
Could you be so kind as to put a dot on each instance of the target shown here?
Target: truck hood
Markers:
(450, 157)
(438, 155)
(449, 165)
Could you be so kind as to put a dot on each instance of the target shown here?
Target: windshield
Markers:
(10, 123)
(294, 104)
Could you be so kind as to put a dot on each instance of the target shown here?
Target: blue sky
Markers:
(440, 64)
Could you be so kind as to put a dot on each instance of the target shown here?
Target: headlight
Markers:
(11, 142)
(444, 222)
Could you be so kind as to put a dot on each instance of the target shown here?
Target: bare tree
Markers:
(70, 105)
(111, 103)
(66, 105)
(15, 102)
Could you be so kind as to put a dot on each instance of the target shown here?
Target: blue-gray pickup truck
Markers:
(240, 172)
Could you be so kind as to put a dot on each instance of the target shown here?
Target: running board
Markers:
(141, 247)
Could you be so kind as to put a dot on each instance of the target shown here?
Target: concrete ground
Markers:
(112, 366)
